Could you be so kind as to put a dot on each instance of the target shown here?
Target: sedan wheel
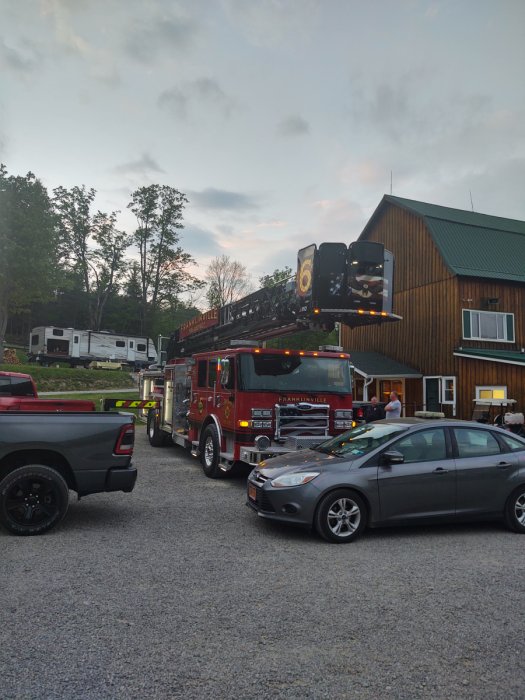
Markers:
(515, 511)
(341, 516)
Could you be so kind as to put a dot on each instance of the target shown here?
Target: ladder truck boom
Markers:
(334, 283)
(232, 402)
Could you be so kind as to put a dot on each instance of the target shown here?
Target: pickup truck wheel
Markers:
(210, 453)
(33, 499)
(156, 436)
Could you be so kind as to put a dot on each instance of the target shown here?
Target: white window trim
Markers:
(492, 313)
(479, 389)
(443, 389)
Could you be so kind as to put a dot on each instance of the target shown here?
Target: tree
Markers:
(91, 247)
(162, 268)
(276, 277)
(228, 281)
(28, 245)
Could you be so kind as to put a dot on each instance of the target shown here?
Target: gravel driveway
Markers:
(178, 590)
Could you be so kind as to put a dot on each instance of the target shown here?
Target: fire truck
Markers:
(230, 400)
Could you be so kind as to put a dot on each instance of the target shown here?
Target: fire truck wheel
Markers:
(210, 453)
(155, 434)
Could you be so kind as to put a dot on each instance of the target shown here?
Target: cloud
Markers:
(147, 39)
(200, 242)
(293, 126)
(143, 166)
(23, 58)
(211, 198)
(192, 96)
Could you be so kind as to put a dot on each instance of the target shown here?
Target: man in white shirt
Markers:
(393, 409)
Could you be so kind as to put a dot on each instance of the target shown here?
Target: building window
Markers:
(388, 385)
(489, 393)
(488, 325)
(448, 390)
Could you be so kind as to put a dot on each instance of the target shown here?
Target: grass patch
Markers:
(67, 379)
(99, 397)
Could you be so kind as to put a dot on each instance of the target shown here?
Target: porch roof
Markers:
(509, 357)
(373, 364)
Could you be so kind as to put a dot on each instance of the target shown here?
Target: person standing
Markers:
(375, 411)
(393, 409)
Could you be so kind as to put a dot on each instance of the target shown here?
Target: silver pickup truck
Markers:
(44, 455)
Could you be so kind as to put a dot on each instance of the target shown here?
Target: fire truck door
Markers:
(225, 394)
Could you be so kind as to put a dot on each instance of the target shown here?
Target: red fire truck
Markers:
(231, 401)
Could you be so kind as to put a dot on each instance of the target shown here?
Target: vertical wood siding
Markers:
(430, 299)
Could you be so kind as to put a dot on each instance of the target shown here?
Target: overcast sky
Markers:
(282, 120)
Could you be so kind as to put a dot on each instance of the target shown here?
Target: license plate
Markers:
(252, 492)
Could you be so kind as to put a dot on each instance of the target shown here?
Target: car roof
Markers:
(433, 422)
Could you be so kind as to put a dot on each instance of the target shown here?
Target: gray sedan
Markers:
(395, 472)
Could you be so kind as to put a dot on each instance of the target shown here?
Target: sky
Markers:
(283, 121)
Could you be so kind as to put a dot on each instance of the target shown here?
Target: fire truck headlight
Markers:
(343, 414)
(343, 424)
(296, 479)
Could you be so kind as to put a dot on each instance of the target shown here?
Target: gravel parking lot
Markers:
(178, 590)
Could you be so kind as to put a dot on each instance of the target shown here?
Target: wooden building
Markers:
(459, 284)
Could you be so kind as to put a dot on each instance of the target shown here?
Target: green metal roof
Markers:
(472, 244)
(505, 356)
(373, 364)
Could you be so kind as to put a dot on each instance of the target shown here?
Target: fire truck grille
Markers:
(302, 419)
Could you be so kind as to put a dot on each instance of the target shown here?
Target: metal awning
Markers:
(507, 357)
(374, 365)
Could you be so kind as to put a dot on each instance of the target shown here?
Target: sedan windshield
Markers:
(362, 440)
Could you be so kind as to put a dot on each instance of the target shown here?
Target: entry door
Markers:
(131, 350)
(432, 391)
(75, 350)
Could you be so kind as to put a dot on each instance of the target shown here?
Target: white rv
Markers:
(49, 344)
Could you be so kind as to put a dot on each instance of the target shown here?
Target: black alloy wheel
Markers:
(33, 499)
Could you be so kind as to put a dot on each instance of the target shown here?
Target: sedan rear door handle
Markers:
(504, 465)
(440, 470)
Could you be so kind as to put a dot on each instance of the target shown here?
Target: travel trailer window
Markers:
(120, 344)
(141, 347)
(58, 332)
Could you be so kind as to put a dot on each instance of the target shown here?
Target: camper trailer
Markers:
(48, 344)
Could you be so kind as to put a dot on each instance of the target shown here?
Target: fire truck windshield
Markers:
(267, 372)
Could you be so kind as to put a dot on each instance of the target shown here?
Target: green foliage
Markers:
(161, 274)
(66, 379)
(28, 245)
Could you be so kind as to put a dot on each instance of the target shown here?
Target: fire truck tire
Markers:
(210, 453)
(156, 436)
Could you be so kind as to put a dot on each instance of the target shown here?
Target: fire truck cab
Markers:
(245, 404)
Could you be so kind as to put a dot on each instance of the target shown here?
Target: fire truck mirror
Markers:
(226, 374)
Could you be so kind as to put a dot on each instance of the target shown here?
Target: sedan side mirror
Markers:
(392, 457)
